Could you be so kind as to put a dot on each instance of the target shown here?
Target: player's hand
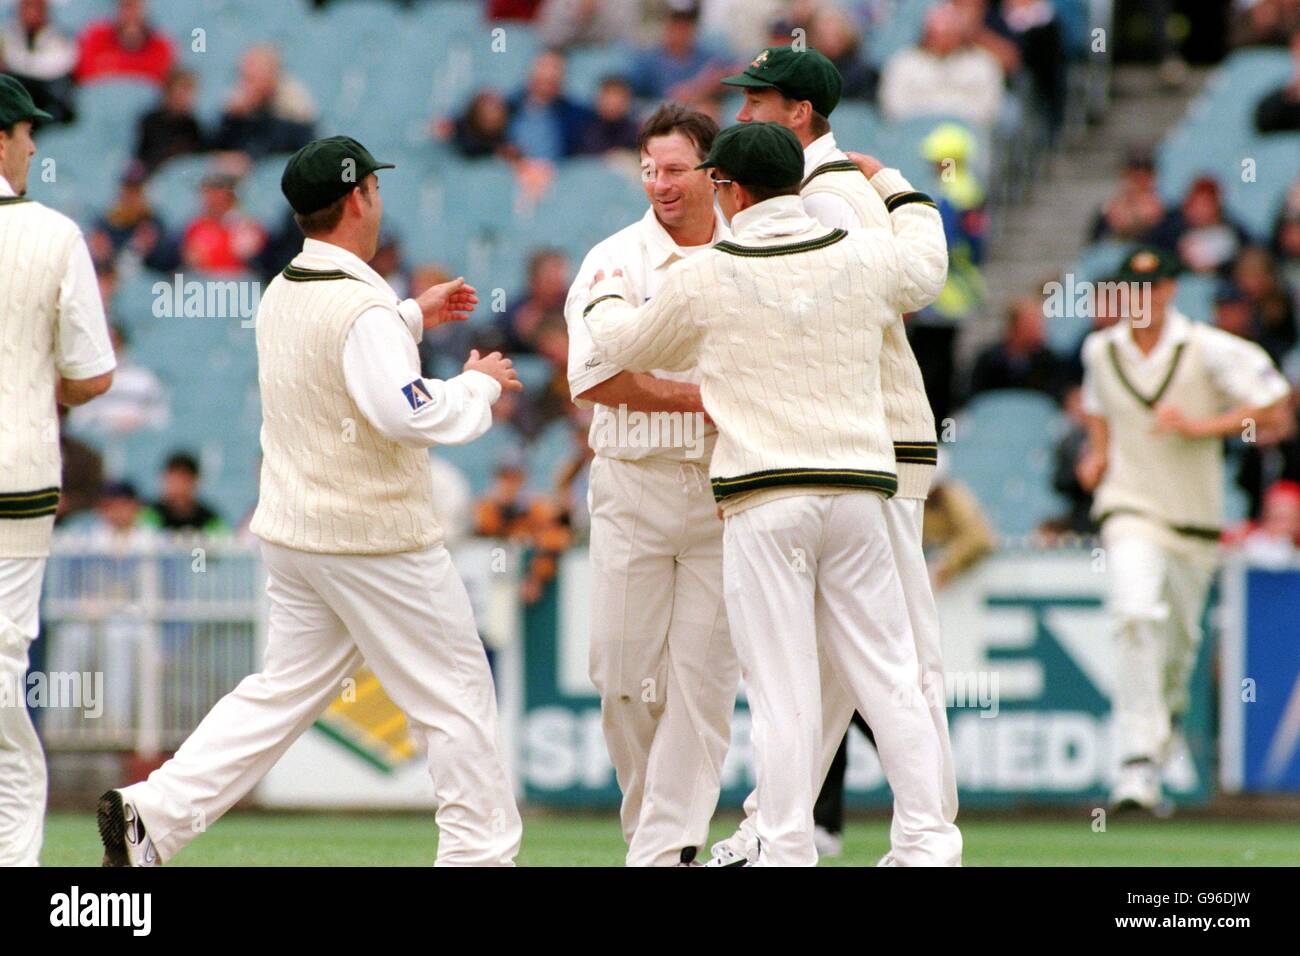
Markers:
(868, 165)
(497, 366)
(600, 277)
(447, 302)
(1170, 418)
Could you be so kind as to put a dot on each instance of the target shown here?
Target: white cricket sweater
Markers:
(907, 409)
(330, 483)
(785, 323)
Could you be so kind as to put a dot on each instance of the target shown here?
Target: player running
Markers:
(785, 323)
(354, 557)
(661, 656)
(799, 89)
(57, 351)
(1161, 392)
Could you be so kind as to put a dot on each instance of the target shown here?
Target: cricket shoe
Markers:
(1138, 787)
(126, 842)
(728, 853)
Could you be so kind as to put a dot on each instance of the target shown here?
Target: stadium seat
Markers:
(546, 454)
(996, 430)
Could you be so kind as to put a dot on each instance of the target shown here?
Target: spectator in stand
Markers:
(482, 130)
(833, 33)
(946, 75)
(121, 517)
(523, 10)
(614, 128)
(267, 112)
(1204, 238)
(982, 25)
(1065, 479)
(171, 129)
(222, 239)
(1285, 244)
(566, 23)
(1265, 23)
(1274, 540)
(42, 58)
(1272, 310)
(83, 473)
(126, 46)
(1232, 311)
(179, 507)
(136, 401)
(549, 275)
(1035, 29)
(131, 227)
(544, 123)
(679, 67)
(1135, 213)
(537, 522)
(1022, 359)
(956, 533)
(1279, 112)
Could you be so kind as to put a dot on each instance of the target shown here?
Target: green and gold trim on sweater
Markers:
(1150, 402)
(916, 452)
(899, 200)
(298, 274)
(29, 504)
(882, 481)
(1202, 532)
(834, 166)
(598, 300)
(810, 245)
(12, 200)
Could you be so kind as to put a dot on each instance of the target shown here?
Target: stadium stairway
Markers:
(1037, 240)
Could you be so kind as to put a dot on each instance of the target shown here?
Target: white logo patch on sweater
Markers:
(417, 395)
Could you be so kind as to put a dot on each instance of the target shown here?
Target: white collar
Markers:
(318, 252)
(5, 188)
(664, 248)
(821, 150)
(779, 216)
(1176, 329)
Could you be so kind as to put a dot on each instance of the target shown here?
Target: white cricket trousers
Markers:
(904, 520)
(1156, 598)
(408, 617)
(661, 656)
(22, 762)
(811, 577)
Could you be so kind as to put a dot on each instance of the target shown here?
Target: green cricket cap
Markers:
(325, 170)
(799, 74)
(16, 103)
(1149, 264)
(758, 154)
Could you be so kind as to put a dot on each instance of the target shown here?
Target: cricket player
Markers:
(661, 657)
(356, 567)
(785, 322)
(799, 89)
(1161, 393)
(56, 350)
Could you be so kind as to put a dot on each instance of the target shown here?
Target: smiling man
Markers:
(661, 656)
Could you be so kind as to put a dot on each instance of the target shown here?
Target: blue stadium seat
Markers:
(546, 454)
(1003, 452)
(1195, 296)
(478, 460)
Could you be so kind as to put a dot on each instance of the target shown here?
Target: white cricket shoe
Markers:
(730, 852)
(126, 842)
(1137, 788)
(829, 845)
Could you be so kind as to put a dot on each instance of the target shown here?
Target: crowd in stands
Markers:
(980, 69)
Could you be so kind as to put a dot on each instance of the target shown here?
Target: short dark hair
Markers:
(670, 118)
(327, 218)
(762, 193)
(819, 125)
(182, 461)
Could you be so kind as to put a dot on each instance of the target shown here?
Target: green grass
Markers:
(281, 839)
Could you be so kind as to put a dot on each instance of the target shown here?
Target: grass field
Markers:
(269, 839)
